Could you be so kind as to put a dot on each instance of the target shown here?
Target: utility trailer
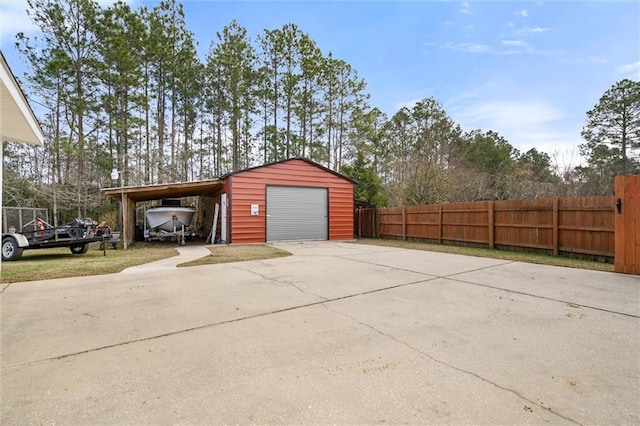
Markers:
(38, 234)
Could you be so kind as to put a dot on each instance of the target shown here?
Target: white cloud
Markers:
(509, 114)
(477, 48)
(522, 13)
(14, 19)
(534, 30)
(465, 8)
(526, 124)
(469, 47)
(596, 60)
(518, 43)
(525, 121)
(630, 70)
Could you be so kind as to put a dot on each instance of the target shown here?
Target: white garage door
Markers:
(297, 213)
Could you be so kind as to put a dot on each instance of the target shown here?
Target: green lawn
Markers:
(539, 258)
(45, 264)
(231, 253)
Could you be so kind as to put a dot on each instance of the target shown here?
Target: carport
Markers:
(130, 195)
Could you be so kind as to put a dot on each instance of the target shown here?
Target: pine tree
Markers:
(614, 124)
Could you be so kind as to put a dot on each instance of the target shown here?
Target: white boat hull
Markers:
(169, 218)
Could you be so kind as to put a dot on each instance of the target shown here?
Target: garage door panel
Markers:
(297, 213)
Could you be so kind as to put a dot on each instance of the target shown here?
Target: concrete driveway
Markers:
(338, 333)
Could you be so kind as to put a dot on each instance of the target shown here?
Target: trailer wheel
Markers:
(79, 248)
(10, 249)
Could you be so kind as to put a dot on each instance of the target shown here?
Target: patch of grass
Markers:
(45, 264)
(237, 253)
(539, 258)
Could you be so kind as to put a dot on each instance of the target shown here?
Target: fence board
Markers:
(556, 225)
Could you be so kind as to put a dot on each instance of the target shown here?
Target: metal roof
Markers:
(166, 190)
(306, 160)
(197, 188)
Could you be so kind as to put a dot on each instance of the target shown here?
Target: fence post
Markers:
(373, 223)
(440, 224)
(359, 223)
(404, 223)
(377, 220)
(492, 242)
(555, 226)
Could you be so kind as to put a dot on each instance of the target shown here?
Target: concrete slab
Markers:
(338, 333)
(110, 309)
(558, 357)
(436, 264)
(601, 290)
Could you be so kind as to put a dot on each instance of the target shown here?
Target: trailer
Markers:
(38, 234)
(180, 235)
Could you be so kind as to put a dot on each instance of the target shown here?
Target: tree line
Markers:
(125, 89)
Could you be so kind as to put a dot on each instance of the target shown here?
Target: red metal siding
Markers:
(249, 187)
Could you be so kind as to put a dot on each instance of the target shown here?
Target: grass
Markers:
(240, 253)
(45, 264)
(538, 258)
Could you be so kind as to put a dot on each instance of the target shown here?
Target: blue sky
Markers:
(528, 70)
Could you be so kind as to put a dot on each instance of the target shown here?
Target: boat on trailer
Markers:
(170, 216)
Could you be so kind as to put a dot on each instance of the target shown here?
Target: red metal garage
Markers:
(294, 199)
(291, 200)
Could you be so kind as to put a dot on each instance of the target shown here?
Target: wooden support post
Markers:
(491, 224)
(214, 225)
(404, 224)
(555, 238)
(126, 223)
(131, 219)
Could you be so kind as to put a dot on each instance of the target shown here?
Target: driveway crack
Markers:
(451, 366)
(282, 282)
(215, 324)
(452, 277)
(346, 257)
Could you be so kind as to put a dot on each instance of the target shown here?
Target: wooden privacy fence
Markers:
(582, 226)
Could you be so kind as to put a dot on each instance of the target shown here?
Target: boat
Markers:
(170, 216)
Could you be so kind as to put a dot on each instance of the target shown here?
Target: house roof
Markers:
(306, 160)
(18, 123)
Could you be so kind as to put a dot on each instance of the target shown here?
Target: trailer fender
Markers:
(21, 240)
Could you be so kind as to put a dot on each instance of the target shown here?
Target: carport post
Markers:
(125, 214)
(115, 173)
